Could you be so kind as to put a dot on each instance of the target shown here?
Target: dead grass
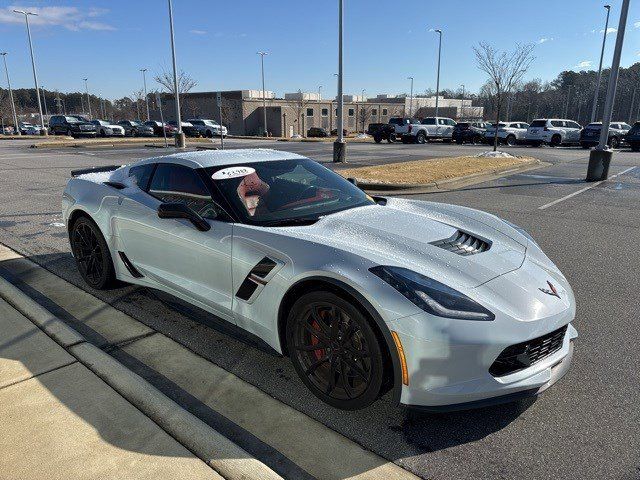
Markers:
(422, 172)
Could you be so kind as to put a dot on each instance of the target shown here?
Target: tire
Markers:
(377, 138)
(556, 141)
(343, 366)
(420, 138)
(459, 141)
(69, 133)
(102, 134)
(635, 147)
(405, 141)
(134, 132)
(614, 142)
(209, 134)
(92, 254)
(585, 146)
(392, 138)
(511, 140)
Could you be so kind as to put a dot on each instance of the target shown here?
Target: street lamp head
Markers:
(608, 7)
(409, 78)
(25, 13)
(3, 53)
(262, 53)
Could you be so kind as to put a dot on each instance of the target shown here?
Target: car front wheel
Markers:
(92, 254)
(335, 350)
(614, 142)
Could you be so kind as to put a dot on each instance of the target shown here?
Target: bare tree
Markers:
(364, 115)
(299, 107)
(505, 71)
(185, 81)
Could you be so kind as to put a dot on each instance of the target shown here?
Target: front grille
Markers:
(523, 355)
(463, 243)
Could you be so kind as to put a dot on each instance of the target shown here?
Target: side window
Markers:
(325, 112)
(53, 121)
(177, 183)
(351, 112)
(451, 122)
(442, 121)
(557, 123)
(385, 112)
(309, 112)
(374, 112)
(141, 174)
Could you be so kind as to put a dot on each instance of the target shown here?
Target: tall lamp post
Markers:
(43, 131)
(439, 32)
(339, 147)
(144, 83)
(594, 108)
(13, 105)
(264, 98)
(411, 98)
(601, 156)
(319, 93)
(462, 106)
(86, 88)
(44, 100)
(180, 139)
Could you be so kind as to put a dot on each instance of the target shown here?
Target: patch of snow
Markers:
(96, 177)
(296, 135)
(57, 224)
(362, 135)
(492, 154)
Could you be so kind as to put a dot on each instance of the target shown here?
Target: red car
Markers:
(157, 128)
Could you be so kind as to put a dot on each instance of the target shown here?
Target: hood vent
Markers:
(463, 243)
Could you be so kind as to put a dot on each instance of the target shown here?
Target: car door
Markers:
(574, 131)
(171, 253)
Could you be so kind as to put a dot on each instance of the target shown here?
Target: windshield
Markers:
(73, 119)
(285, 191)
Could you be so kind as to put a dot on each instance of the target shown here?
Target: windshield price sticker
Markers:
(233, 172)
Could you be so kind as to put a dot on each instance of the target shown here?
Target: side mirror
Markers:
(180, 210)
(353, 181)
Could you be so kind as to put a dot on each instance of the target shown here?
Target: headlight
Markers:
(521, 230)
(431, 296)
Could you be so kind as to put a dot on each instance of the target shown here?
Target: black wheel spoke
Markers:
(354, 367)
(332, 375)
(344, 380)
(314, 366)
(316, 333)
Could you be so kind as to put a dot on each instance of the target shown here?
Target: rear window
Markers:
(397, 121)
(141, 175)
(539, 123)
(429, 121)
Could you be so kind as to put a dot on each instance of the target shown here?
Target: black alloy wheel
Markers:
(92, 254)
(335, 351)
(511, 140)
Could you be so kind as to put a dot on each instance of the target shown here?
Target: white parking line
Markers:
(566, 197)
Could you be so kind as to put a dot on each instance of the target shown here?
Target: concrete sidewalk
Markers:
(59, 420)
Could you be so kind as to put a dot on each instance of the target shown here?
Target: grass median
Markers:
(430, 171)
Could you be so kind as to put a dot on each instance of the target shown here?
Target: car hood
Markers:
(401, 233)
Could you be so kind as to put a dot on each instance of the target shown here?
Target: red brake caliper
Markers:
(314, 340)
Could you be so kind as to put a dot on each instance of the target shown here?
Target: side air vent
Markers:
(255, 278)
(463, 243)
(127, 263)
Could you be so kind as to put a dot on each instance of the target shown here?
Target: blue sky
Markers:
(109, 42)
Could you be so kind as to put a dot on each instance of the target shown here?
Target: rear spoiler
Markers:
(82, 171)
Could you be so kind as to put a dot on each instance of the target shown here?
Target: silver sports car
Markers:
(448, 307)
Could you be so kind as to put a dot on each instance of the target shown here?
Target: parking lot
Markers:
(584, 427)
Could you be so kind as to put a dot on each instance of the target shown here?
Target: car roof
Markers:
(215, 158)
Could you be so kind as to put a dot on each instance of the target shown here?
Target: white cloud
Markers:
(198, 32)
(584, 64)
(545, 40)
(71, 18)
(609, 30)
(636, 25)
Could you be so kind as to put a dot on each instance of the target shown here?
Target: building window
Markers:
(374, 112)
(309, 112)
(351, 112)
(385, 112)
(336, 112)
(325, 112)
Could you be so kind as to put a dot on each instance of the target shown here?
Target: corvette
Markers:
(448, 307)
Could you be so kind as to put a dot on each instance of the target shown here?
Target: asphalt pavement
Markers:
(584, 427)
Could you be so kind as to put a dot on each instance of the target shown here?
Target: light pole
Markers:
(339, 147)
(319, 92)
(13, 105)
(462, 106)
(44, 100)
(264, 98)
(600, 157)
(144, 82)
(33, 66)
(594, 108)
(86, 88)
(180, 140)
(362, 110)
(411, 98)
(439, 32)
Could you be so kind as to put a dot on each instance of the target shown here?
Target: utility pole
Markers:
(362, 109)
(439, 32)
(264, 98)
(146, 97)
(633, 101)
(601, 156)
(86, 87)
(180, 138)
(462, 107)
(13, 105)
(339, 146)
(319, 93)
(594, 108)
(411, 98)
(43, 131)
(44, 100)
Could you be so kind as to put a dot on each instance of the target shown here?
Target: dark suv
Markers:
(633, 137)
(71, 125)
(317, 132)
(471, 132)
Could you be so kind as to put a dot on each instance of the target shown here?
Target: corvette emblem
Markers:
(551, 290)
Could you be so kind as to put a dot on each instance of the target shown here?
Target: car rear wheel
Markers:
(335, 350)
(69, 133)
(392, 138)
(614, 142)
(511, 140)
(102, 133)
(377, 138)
(556, 141)
(209, 134)
(92, 254)
(420, 138)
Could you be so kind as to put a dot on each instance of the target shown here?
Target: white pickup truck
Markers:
(412, 130)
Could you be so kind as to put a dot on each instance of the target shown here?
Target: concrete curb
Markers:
(447, 183)
(220, 453)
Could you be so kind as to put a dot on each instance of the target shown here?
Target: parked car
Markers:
(469, 132)
(590, 135)
(334, 132)
(8, 130)
(373, 128)
(158, 128)
(135, 128)
(317, 132)
(554, 132)
(448, 307)
(71, 125)
(633, 137)
(27, 128)
(408, 129)
(510, 133)
(208, 128)
(385, 132)
(107, 129)
(439, 128)
(187, 128)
